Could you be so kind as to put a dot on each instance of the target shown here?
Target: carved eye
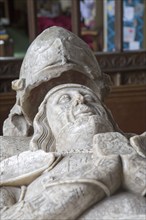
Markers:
(64, 98)
(88, 98)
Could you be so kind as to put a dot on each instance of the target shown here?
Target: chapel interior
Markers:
(114, 30)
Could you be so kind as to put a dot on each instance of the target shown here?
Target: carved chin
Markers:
(80, 133)
(89, 124)
(92, 122)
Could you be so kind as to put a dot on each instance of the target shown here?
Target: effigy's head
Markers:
(55, 57)
(70, 114)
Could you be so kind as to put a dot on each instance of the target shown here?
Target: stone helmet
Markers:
(56, 56)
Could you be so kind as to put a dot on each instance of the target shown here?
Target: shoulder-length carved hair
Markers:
(43, 137)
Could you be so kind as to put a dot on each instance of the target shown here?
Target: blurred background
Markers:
(96, 19)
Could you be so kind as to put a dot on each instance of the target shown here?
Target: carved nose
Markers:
(79, 99)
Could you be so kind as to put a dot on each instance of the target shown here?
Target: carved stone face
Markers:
(71, 105)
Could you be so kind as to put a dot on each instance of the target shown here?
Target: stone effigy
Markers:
(77, 163)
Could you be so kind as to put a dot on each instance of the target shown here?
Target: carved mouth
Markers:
(83, 110)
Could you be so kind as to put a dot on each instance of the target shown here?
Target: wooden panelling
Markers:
(7, 100)
(128, 106)
(123, 62)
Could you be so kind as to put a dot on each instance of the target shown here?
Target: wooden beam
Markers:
(7, 14)
(119, 25)
(76, 17)
(32, 19)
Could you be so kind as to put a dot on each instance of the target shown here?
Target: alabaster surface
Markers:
(10, 146)
(63, 155)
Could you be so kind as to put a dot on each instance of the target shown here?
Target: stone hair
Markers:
(43, 137)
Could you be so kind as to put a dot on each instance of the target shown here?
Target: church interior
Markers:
(114, 30)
